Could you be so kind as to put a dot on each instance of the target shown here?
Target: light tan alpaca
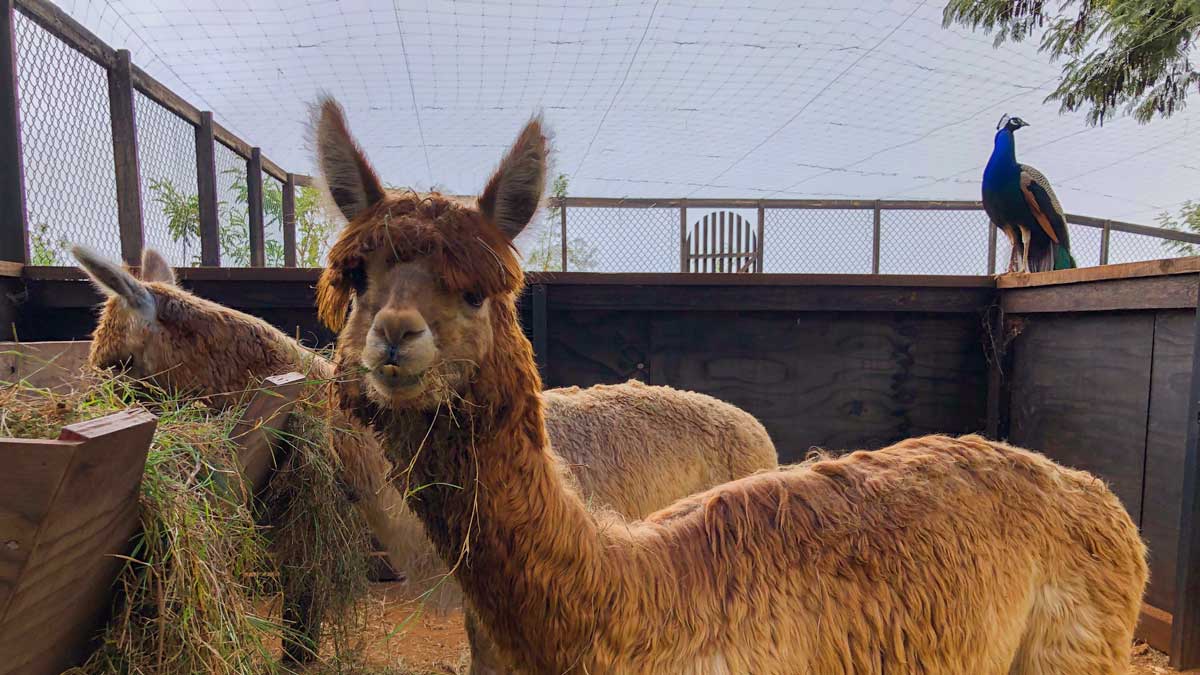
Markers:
(631, 447)
(936, 555)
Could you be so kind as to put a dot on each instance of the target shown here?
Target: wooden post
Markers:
(206, 191)
(1104, 237)
(875, 232)
(254, 207)
(125, 158)
(683, 238)
(1185, 623)
(991, 259)
(289, 221)
(762, 222)
(562, 214)
(540, 339)
(13, 228)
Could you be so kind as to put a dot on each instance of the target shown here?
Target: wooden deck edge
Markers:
(11, 269)
(1149, 268)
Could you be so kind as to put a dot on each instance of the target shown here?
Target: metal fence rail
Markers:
(88, 141)
(820, 236)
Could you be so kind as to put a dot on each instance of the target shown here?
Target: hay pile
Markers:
(203, 587)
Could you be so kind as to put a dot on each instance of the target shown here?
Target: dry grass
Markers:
(201, 591)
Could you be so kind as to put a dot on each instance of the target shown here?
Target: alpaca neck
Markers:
(496, 506)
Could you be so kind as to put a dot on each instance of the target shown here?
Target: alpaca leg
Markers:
(1068, 632)
(485, 657)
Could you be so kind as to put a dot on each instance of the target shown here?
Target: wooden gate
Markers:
(723, 242)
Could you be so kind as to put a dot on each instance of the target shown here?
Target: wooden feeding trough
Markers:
(69, 508)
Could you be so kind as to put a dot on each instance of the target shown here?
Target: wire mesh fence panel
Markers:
(273, 220)
(936, 242)
(317, 225)
(1126, 247)
(232, 207)
(167, 162)
(616, 239)
(828, 241)
(1085, 245)
(66, 140)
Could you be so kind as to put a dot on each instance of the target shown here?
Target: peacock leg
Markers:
(1025, 243)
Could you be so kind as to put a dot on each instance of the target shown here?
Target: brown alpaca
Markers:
(630, 447)
(935, 555)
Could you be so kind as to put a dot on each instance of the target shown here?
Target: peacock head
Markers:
(1011, 123)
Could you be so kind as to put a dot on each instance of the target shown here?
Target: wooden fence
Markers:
(1095, 367)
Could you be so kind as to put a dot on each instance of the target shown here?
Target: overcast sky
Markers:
(869, 99)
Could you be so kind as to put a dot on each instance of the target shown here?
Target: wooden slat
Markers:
(125, 158)
(43, 364)
(683, 238)
(1164, 292)
(562, 216)
(254, 208)
(289, 221)
(991, 254)
(1081, 392)
(721, 245)
(1154, 626)
(13, 216)
(758, 243)
(11, 269)
(68, 508)
(875, 237)
(256, 432)
(1185, 625)
(206, 185)
(1166, 441)
(1148, 268)
(244, 149)
(59, 24)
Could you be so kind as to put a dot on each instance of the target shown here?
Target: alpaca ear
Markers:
(352, 182)
(114, 281)
(515, 190)
(155, 268)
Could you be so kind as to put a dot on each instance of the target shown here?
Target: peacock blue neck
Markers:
(1003, 163)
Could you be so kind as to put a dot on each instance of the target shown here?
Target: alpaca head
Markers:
(426, 280)
(156, 331)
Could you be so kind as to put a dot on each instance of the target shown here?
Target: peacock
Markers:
(1020, 201)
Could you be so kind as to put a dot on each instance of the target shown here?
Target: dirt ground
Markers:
(431, 643)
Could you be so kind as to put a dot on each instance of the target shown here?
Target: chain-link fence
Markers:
(70, 187)
(73, 94)
(170, 201)
(817, 237)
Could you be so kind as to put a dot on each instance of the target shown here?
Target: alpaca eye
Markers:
(474, 299)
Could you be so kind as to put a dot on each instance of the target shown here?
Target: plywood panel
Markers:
(594, 347)
(831, 380)
(43, 364)
(1166, 439)
(1080, 390)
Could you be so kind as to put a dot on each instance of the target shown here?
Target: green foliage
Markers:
(546, 254)
(1130, 54)
(1187, 220)
(43, 251)
(313, 228)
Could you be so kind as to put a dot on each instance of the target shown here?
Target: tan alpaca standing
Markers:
(630, 447)
(936, 555)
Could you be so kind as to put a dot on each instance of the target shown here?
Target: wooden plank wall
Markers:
(1101, 372)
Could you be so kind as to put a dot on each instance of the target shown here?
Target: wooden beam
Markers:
(254, 207)
(289, 221)
(1149, 268)
(1105, 236)
(1165, 292)
(206, 186)
(125, 158)
(683, 237)
(158, 92)
(991, 254)
(1185, 625)
(13, 218)
(1154, 626)
(1133, 228)
(11, 269)
(762, 231)
(240, 147)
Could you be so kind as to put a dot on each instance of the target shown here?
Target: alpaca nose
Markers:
(397, 328)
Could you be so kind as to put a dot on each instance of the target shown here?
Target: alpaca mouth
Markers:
(391, 380)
